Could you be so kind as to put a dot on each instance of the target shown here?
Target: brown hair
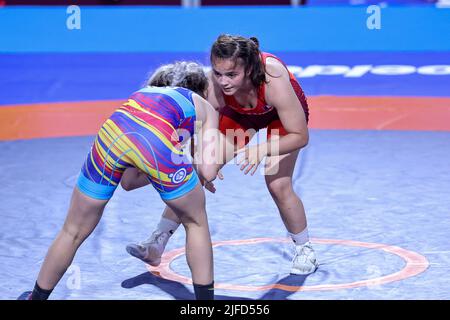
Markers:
(237, 47)
(186, 74)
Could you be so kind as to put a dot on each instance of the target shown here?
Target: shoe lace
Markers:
(304, 252)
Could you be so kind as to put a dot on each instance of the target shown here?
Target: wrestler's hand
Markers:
(209, 185)
(252, 157)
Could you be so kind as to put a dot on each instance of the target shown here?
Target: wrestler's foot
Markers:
(304, 261)
(150, 250)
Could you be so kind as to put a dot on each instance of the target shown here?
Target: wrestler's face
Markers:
(229, 75)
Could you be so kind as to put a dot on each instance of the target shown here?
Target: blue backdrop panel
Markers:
(159, 29)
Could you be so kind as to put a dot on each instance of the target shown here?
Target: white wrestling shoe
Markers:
(150, 250)
(304, 261)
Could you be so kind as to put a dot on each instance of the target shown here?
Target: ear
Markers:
(249, 72)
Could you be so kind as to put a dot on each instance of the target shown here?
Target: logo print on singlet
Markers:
(178, 176)
(267, 107)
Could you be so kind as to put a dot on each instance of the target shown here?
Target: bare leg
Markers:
(168, 213)
(133, 178)
(82, 218)
(191, 211)
(279, 171)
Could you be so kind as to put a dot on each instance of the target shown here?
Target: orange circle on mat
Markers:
(415, 264)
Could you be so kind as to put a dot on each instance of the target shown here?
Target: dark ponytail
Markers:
(255, 40)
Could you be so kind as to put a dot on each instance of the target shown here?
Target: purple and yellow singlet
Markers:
(145, 133)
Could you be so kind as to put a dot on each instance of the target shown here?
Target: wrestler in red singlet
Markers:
(233, 116)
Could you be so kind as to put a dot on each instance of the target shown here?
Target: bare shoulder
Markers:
(275, 69)
(199, 101)
(203, 108)
(278, 83)
(215, 97)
